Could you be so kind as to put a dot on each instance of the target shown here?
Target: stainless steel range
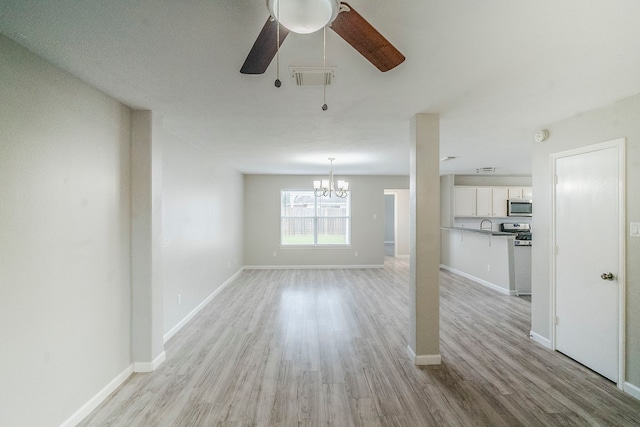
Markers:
(521, 255)
(522, 232)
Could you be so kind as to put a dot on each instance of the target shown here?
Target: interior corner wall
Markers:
(65, 295)
(202, 215)
(262, 221)
(619, 120)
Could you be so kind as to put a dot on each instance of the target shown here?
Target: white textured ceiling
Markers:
(495, 71)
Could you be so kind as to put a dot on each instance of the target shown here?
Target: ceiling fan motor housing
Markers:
(304, 16)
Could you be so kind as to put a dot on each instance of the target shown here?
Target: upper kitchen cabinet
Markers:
(464, 201)
(491, 201)
(499, 200)
(520, 192)
(485, 201)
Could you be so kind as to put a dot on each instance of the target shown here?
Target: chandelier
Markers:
(327, 187)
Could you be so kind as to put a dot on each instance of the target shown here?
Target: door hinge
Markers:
(555, 249)
(556, 320)
(556, 179)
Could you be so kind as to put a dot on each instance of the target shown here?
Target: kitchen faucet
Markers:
(490, 224)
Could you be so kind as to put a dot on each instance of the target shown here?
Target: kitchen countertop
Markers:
(476, 230)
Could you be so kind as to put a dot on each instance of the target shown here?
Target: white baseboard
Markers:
(540, 339)
(310, 267)
(96, 400)
(423, 359)
(149, 366)
(199, 307)
(479, 281)
(632, 390)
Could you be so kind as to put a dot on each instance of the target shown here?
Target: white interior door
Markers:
(587, 239)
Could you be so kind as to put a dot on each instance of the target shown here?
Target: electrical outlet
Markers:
(179, 299)
(356, 254)
(228, 264)
(488, 267)
(634, 229)
(275, 254)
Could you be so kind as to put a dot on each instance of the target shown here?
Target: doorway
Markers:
(588, 261)
(401, 224)
(389, 225)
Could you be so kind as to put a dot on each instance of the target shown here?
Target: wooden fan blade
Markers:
(264, 49)
(356, 31)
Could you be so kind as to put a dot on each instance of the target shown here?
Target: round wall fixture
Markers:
(541, 135)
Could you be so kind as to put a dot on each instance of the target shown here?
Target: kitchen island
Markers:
(484, 256)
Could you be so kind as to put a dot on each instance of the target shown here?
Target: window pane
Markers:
(297, 231)
(297, 203)
(333, 206)
(333, 231)
(309, 220)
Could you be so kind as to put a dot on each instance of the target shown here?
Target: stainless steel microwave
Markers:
(519, 207)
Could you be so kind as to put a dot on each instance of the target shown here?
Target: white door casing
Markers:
(588, 239)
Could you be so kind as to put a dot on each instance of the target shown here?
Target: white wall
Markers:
(493, 180)
(262, 221)
(202, 214)
(615, 121)
(481, 257)
(64, 240)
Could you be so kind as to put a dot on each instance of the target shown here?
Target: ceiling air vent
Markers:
(485, 170)
(312, 76)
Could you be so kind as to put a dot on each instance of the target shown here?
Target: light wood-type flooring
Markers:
(328, 347)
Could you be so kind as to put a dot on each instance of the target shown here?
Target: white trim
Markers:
(620, 144)
(96, 400)
(149, 366)
(540, 339)
(632, 390)
(199, 307)
(402, 256)
(423, 359)
(310, 267)
(479, 281)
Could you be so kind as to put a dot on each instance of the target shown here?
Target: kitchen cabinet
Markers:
(499, 201)
(491, 202)
(486, 201)
(520, 192)
(464, 201)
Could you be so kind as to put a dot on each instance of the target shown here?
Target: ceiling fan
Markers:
(307, 16)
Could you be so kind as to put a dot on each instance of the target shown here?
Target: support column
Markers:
(424, 272)
(146, 242)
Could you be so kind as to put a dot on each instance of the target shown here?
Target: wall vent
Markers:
(312, 76)
(485, 170)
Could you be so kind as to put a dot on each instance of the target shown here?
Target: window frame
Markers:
(315, 222)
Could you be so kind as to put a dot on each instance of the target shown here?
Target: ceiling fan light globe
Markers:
(304, 16)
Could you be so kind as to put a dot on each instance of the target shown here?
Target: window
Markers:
(314, 221)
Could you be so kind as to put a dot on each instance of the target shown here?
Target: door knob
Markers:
(606, 276)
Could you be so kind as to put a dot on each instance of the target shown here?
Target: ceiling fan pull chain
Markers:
(278, 83)
(324, 66)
